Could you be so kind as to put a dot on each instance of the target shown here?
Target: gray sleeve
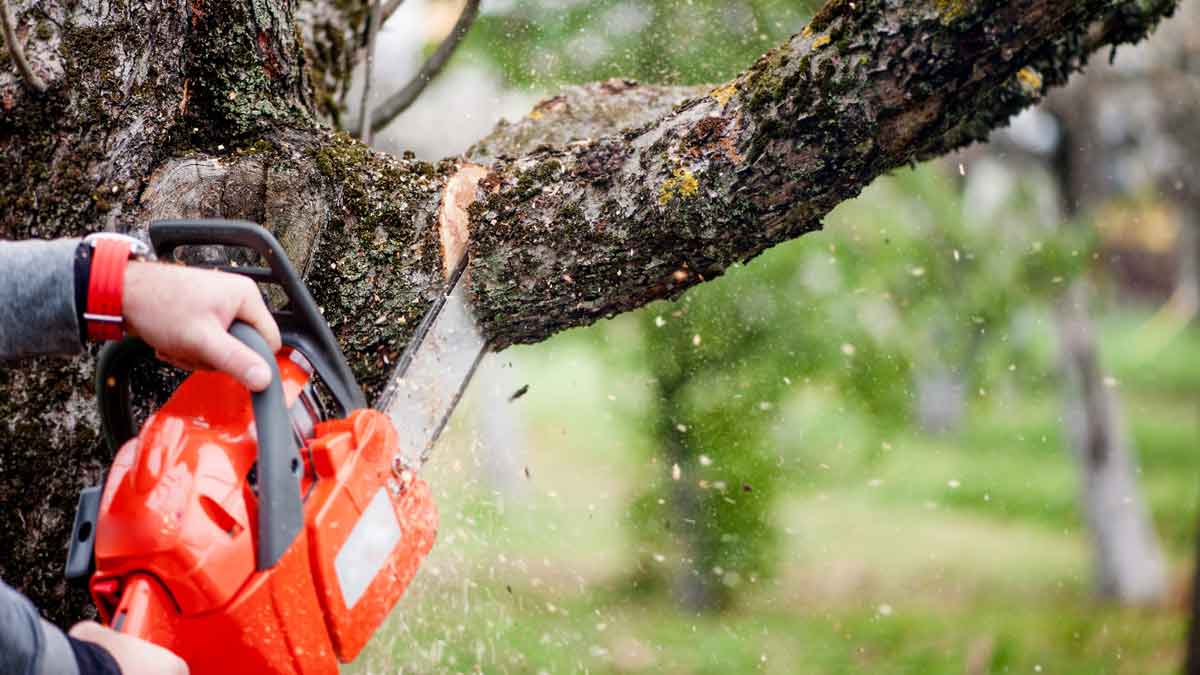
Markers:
(29, 645)
(37, 298)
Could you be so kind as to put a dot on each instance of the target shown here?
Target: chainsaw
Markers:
(270, 532)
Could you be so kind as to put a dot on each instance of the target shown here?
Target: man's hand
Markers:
(134, 656)
(185, 313)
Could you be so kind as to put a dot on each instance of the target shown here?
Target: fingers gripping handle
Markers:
(280, 513)
(301, 322)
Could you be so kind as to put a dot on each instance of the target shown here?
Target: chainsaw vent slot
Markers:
(85, 531)
(220, 516)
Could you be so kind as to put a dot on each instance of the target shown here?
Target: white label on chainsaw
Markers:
(367, 548)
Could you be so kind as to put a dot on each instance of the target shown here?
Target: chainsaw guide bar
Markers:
(434, 370)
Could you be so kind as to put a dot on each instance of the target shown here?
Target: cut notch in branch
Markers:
(401, 100)
(17, 50)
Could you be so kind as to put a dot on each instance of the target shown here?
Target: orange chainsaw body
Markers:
(175, 536)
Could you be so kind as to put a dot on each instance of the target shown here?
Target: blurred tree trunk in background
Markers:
(704, 518)
(942, 385)
(1129, 564)
(1128, 560)
(502, 437)
(672, 367)
(1185, 301)
(693, 584)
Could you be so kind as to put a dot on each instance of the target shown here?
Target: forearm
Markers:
(28, 645)
(37, 298)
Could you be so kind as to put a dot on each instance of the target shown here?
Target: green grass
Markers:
(955, 554)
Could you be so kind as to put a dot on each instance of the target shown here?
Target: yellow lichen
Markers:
(682, 184)
(821, 42)
(950, 9)
(1030, 79)
(723, 93)
(535, 114)
(807, 32)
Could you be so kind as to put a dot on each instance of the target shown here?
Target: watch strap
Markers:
(106, 284)
(83, 269)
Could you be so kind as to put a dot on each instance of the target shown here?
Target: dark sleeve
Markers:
(29, 645)
(37, 298)
(92, 659)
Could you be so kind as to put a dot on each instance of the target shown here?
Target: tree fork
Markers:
(215, 108)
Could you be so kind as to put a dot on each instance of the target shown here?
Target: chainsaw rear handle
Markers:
(145, 611)
(300, 323)
(280, 512)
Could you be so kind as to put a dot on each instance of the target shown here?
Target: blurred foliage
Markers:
(929, 556)
(549, 43)
(748, 368)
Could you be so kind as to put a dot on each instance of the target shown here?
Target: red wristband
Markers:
(106, 284)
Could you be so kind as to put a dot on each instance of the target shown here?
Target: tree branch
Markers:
(866, 88)
(17, 51)
(390, 8)
(582, 113)
(401, 100)
(375, 18)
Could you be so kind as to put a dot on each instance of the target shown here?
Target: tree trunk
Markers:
(216, 108)
(941, 399)
(1129, 563)
(1185, 299)
(693, 583)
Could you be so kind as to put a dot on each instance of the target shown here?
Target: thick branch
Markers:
(582, 113)
(568, 234)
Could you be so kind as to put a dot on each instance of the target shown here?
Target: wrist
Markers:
(101, 268)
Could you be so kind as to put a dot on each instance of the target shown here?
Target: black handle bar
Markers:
(280, 512)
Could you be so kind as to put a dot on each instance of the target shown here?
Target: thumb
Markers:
(86, 630)
(225, 353)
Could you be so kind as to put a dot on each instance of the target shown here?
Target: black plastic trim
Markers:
(81, 554)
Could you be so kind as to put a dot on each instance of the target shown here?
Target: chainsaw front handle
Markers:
(278, 468)
(280, 511)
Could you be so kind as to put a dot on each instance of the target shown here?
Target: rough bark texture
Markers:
(215, 107)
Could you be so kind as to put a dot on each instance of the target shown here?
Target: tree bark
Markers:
(218, 107)
(1129, 563)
